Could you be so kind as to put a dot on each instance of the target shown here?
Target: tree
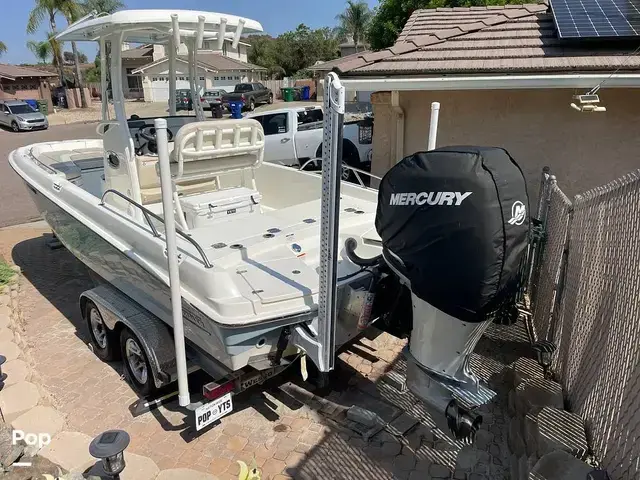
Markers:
(47, 9)
(102, 6)
(354, 20)
(293, 51)
(72, 11)
(3, 48)
(42, 50)
(69, 58)
(390, 16)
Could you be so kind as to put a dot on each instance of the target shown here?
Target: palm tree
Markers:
(47, 9)
(72, 11)
(102, 6)
(354, 20)
(3, 48)
(42, 50)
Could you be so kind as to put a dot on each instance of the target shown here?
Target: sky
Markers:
(276, 16)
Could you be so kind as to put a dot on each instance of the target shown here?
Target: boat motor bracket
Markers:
(154, 336)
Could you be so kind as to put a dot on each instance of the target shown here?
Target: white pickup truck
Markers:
(294, 135)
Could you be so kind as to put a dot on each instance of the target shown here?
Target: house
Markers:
(146, 69)
(24, 83)
(320, 70)
(349, 48)
(503, 77)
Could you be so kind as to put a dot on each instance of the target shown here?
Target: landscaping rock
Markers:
(70, 450)
(9, 350)
(17, 399)
(362, 416)
(555, 429)
(525, 369)
(9, 452)
(15, 371)
(560, 465)
(538, 393)
(39, 466)
(39, 420)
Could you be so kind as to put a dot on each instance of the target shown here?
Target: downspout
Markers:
(399, 114)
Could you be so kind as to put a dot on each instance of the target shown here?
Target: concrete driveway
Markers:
(16, 205)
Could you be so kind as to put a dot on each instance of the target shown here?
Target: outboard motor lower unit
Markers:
(454, 226)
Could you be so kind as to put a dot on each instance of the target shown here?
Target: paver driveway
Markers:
(287, 429)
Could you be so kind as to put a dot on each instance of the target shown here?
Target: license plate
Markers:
(210, 412)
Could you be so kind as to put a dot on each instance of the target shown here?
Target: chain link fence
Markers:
(586, 280)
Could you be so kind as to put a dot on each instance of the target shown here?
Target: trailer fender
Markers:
(120, 311)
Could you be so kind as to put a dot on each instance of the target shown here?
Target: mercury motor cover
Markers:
(454, 221)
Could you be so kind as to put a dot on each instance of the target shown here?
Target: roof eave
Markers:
(490, 82)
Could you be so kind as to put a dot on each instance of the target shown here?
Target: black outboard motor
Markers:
(454, 225)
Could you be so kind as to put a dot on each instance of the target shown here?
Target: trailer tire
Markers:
(136, 363)
(103, 340)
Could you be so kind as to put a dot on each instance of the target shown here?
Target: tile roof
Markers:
(14, 71)
(512, 38)
(138, 52)
(220, 62)
(213, 61)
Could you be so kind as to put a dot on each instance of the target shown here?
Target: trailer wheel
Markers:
(136, 363)
(102, 338)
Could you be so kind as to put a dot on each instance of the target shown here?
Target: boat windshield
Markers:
(18, 109)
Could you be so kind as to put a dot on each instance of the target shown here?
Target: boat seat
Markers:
(149, 179)
(204, 150)
(199, 153)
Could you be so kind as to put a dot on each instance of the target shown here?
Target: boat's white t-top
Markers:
(156, 26)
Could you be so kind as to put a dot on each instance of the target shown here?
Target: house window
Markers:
(154, 79)
(202, 79)
(216, 78)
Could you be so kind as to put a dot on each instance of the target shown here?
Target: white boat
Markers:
(248, 231)
(263, 258)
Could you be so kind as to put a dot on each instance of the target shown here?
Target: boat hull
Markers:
(229, 348)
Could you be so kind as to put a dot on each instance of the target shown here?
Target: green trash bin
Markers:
(43, 107)
(287, 94)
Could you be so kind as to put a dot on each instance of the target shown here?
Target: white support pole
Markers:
(103, 80)
(172, 259)
(200, 32)
(193, 78)
(238, 34)
(433, 126)
(172, 75)
(221, 32)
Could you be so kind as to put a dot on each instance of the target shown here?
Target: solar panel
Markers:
(597, 18)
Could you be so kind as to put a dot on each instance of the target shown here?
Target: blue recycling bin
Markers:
(32, 103)
(304, 95)
(236, 109)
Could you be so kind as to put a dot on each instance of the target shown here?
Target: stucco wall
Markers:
(537, 127)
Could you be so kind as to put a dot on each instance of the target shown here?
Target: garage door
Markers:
(226, 82)
(160, 87)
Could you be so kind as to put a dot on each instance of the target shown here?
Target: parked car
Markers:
(214, 97)
(20, 115)
(185, 102)
(251, 94)
(293, 136)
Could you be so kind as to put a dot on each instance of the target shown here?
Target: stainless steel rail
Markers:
(148, 214)
(355, 170)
